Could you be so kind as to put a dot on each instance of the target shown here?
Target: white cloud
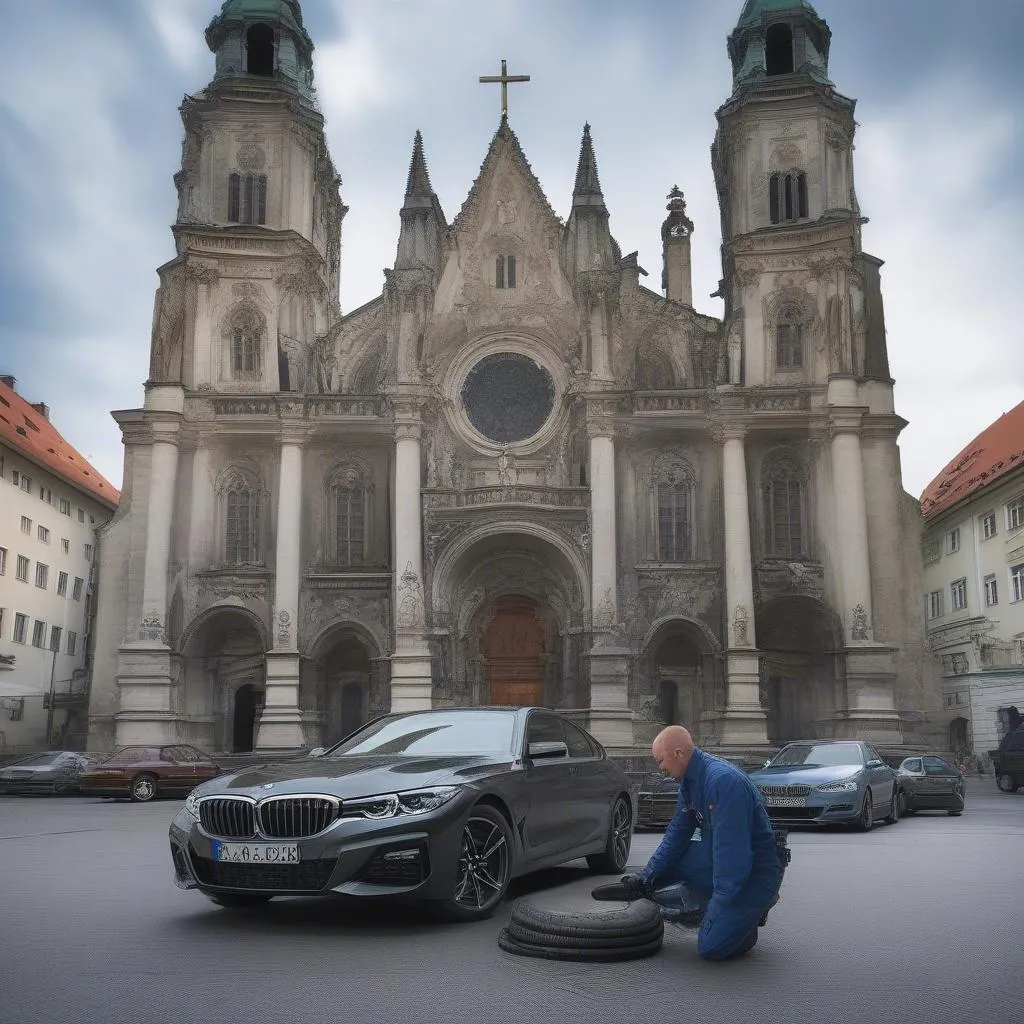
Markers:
(175, 25)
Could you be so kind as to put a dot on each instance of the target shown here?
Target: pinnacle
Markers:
(587, 183)
(418, 183)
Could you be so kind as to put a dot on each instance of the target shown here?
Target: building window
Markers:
(46, 495)
(72, 643)
(247, 199)
(789, 346)
(65, 507)
(76, 592)
(81, 515)
(934, 604)
(20, 628)
(1015, 515)
(55, 635)
(42, 575)
(787, 196)
(1017, 581)
(245, 336)
(3, 561)
(784, 496)
(62, 585)
(88, 552)
(43, 534)
(39, 634)
(25, 483)
(988, 525)
(958, 592)
(65, 545)
(778, 50)
(953, 541)
(991, 591)
(259, 50)
(26, 524)
(241, 498)
(22, 572)
(505, 272)
(348, 500)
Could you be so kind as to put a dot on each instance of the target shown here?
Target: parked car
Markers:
(50, 771)
(930, 782)
(1008, 761)
(443, 806)
(145, 772)
(825, 782)
(656, 801)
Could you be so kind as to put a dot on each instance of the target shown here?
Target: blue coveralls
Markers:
(732, 870)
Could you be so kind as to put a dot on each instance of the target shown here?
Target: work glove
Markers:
(636, 887)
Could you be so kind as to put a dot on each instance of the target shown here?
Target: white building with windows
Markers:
(518, 475)
(51, 503)
(974, 582)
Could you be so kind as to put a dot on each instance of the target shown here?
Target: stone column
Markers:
(281, 722)
(411, 677)
(610, 715)
(163, 471)
(745, 721)
(203, 516)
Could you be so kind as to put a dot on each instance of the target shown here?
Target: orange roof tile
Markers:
(31, 433)
(997, 450)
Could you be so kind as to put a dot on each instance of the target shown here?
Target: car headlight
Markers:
(390, 805)
(844, 786)
(192, 804)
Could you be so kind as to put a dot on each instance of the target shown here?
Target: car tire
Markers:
(866, 818)
(895, 811)
(620, 839)
(238, 900)
(142, 788)
(578, 954)
(1007, 783)
(484, 827)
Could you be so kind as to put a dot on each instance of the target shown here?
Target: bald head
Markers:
(672, 749)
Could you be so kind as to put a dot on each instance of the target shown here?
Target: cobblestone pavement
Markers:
(917, 922)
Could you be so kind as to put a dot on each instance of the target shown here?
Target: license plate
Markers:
(256, 853)
(785, 801)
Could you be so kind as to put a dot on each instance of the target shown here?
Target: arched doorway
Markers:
(342, 686)
(513, 648)
(248, 704)
(960, 736)
(797, 637)
(682, 675)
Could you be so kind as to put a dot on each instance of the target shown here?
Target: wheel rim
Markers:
(143, 789)
(483, 865)
(1005, 783)
(621, 833)
(867, 814)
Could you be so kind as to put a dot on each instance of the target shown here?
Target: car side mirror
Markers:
(318, 752)
(768, 762)
(875, 763)
(547, 749)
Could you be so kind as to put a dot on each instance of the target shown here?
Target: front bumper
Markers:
(820, 809)
(414, 856)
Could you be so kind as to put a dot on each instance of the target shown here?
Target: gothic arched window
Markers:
(653, 371)
(673, 497)
(784, 511)
(259, 49)
(348, 516)
(787, 196)
(246, 330)
(789, 339)
(504, 272)
(779, 50)
(247, 198)
(240, 495)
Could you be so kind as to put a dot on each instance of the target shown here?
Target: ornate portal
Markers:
(508, 397)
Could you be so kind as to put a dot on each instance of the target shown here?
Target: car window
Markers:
(49, 758)
(195, 754)
(825, 755)
(576, 740)
(184, 753)
(433, 733)
(545, 729)
(134, 755)
(936, 766)
(913, 764)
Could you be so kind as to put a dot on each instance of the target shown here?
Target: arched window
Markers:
(784, 496)
(348, 514)
(653, 371)
(246, 331)
(247, 198)
(779, 50)
(789, 339)
(241, 501)
(504, 272)
(787, 196)
(259, 48)
(673, 494)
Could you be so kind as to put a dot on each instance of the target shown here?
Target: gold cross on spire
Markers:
(504, 78)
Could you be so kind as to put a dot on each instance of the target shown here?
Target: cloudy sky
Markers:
(91, 137)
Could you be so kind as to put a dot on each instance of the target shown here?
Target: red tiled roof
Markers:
(27, 430)
(997, 450)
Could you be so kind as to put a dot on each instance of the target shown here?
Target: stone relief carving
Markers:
(410, 600)
(508, 473)
(740, 623)
(691, 594)
(860, 627)
(168, 327)
(782, 579)
(284, 629)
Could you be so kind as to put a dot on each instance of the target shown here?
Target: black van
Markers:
(1008, 761)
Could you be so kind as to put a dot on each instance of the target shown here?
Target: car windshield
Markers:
(48, 758)
(822, 755)
(433, 733)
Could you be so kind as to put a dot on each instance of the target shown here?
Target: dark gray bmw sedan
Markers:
(445, 806)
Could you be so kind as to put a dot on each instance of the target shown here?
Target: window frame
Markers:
(958, 594)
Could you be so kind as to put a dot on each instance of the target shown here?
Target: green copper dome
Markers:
(754, 9)
(282, 14)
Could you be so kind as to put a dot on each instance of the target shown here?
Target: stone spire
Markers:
(423, 222)
(588, 188)
(417, 185)
(589, 244)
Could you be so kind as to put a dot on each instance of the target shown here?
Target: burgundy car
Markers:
(144, 772)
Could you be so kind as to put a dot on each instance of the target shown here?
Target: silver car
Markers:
(930, 783)
(51, 771)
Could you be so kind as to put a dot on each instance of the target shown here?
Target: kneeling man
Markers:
(726, 880)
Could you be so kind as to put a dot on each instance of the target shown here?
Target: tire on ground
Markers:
(528, 936)
(576, 953)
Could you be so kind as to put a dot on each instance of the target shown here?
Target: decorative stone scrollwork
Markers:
(860, 628)
(410, 600)
(740, 623)
(151, 628)
(284, 629)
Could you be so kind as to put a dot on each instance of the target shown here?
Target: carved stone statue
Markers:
(736, 353)
(320, 379)
(168, 329)
(508, 472)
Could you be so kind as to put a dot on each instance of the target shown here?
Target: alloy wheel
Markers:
(867, 813)
(622, 833)
(143, 788)
(483, 865)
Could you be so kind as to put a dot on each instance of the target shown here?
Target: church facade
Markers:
(519, 475)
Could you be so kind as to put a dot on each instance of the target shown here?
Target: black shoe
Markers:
(748, 944)
(764, 916)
